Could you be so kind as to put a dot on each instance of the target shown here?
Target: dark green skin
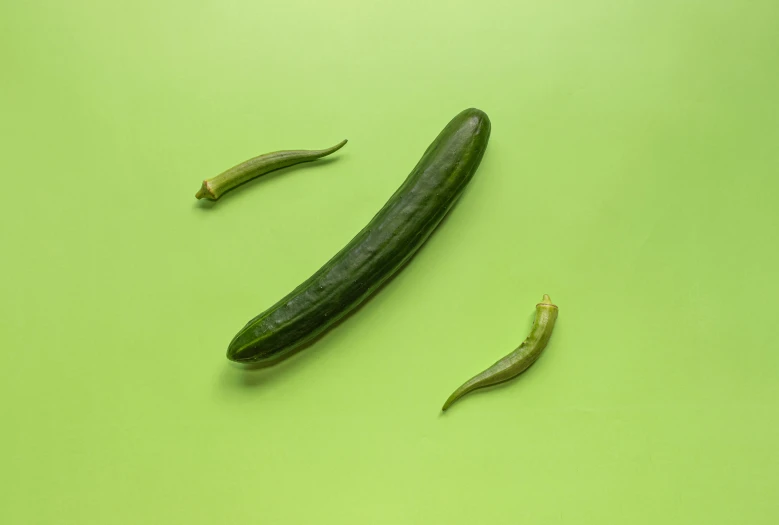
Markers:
(394, 234)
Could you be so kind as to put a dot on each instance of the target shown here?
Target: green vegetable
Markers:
(377, 252)
(214, 188)
(520, 359)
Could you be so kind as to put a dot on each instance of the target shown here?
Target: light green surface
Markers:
(632, 175)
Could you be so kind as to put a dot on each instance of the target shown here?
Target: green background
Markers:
(632, 175)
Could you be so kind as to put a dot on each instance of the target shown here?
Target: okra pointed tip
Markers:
(454, 397)
(337, 147)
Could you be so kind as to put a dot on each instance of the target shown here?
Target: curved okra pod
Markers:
(520, 359)
(215, 187)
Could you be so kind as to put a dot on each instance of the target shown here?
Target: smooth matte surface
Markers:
(632, 175)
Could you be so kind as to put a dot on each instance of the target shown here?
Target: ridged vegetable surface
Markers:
(214, 188)
(378, 251)
(520, 359)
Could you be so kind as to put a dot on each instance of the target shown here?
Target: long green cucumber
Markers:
(394, 234)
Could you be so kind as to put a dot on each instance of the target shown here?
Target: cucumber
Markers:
(390, 239)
